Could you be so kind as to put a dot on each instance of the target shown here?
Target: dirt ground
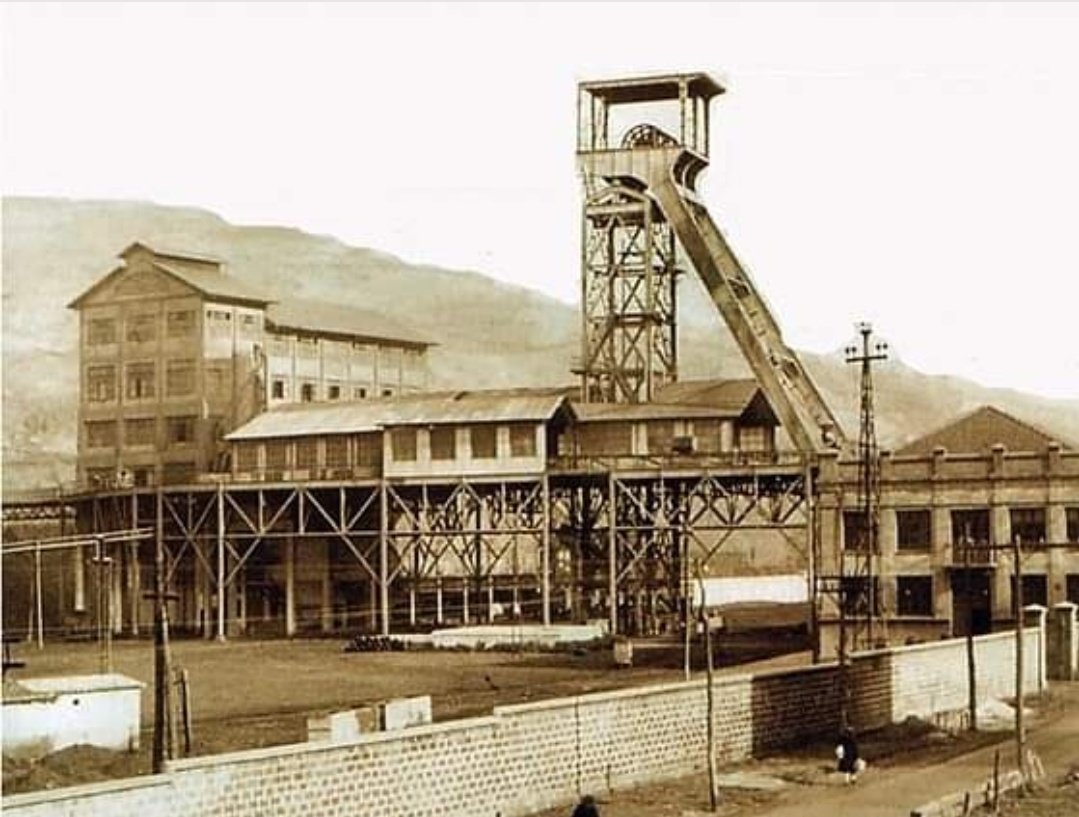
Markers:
(247, 694)
(1058, 798)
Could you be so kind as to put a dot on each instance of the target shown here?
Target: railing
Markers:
(598, 463)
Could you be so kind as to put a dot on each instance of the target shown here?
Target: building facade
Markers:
(952, 503)
(174, 353)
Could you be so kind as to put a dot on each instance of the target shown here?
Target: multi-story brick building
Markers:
(977, 484)
(174, 352)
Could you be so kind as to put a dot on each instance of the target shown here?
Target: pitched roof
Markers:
(730, 395)
(214, 283)
(202, 273)
(611, 412)
(979, 430)
(323, 318)
(419, 409)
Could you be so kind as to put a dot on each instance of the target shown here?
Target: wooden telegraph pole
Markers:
(713, 788)
(164, 728)
(1020, 737)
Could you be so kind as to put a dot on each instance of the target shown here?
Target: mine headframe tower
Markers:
(642, 143)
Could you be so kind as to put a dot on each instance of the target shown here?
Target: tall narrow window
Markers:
(855, 531)
(140, 381)
(1028, 524)
(443, 443)
(971, 525)
(913, 528)
(180, 430)
(403, 444)
(484, 441)
(100, 384)
(277, 389)
(307, 393)
(1071, 524)
(522, 440)
(179, 378)
(140, 431)
(914, 595)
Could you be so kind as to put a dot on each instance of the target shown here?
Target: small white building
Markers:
(45, 715)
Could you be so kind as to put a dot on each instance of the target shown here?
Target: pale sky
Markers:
(917, 165)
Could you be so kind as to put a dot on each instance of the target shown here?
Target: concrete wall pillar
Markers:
(1034, 616)
(1063, 647)
(326, 594)
(290, 587)
(1056, 532)
(78, 569)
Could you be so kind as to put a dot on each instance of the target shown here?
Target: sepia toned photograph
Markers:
(537, 409)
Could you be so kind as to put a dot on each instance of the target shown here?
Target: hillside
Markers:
(490, 333)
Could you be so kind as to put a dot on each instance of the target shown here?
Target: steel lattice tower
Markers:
(858, 580)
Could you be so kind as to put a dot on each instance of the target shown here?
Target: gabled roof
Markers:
(171, 254)
(202, 273)
(976, 432)
(437, 408)
(635, 412)
(323, 318)
(729, 395)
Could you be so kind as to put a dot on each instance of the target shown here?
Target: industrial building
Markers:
(301, 478)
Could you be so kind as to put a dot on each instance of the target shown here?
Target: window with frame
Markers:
(140, 431)
(855, 596)
(484, 439)
(387, 392)
(247, 455)
(1028, 524)
(100, 384)
(307, 452)
(359, 393)
(276, 455)
(101, 433)
(101, 331)
(333, 392)
(855, 531)
(914, 595)
(180, 323)
(1035, 590)
(369, 450)
(971, 525)
(337, 451)
(522, 440)
(140, 379)
(403, 444)
(141, 327)
(180, 430)
(179, 378)
(277, 389)
(100, 477)
(307, 392)
(443, 443)
(913, 529)
(1071, 524)
(1071, 588)
(754, 438)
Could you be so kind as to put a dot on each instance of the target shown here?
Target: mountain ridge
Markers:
(490, 333)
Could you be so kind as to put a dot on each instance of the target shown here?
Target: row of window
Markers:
(914, 527)
(914, 594)
(141, 327)
(483, 442)
(140, 431)
(172, 473)
(140, 380)
(309, 391)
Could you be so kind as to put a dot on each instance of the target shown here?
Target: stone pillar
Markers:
(1063, 647)
(1056, 531)
(1001, 534)
(885, 567)
(1034, 617)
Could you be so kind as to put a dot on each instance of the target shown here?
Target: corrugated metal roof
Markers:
(426, 409)
(214, 283)
(612, 412)
(730, 395)
(321, 317)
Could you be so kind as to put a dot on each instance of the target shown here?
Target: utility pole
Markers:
(865, 355)
(972, 680)
(713, 788)
(164, 728)
(1020, 736)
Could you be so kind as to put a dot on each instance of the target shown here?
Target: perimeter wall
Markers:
(525, 758)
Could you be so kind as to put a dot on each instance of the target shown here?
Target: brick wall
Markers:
(524, 758)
